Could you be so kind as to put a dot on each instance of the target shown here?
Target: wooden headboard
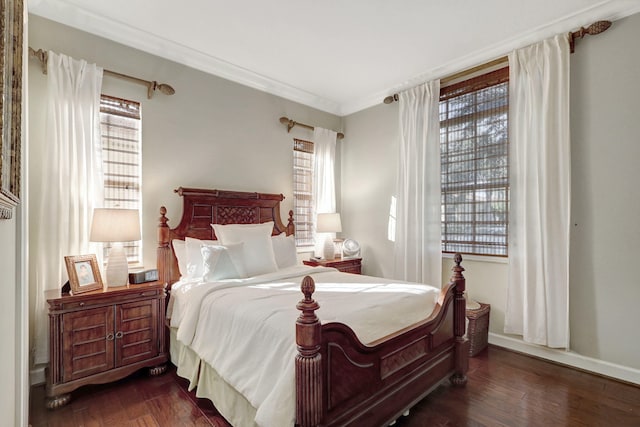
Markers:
(202, 207)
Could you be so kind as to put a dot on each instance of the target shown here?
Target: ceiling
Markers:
(339, 56)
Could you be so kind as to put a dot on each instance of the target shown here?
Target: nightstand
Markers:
(102, 336)
(347, 265)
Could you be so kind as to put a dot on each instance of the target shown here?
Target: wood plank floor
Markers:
(504, 389)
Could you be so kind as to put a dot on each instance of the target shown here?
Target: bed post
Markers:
(308, 360)
(164, 251)
(459, 308)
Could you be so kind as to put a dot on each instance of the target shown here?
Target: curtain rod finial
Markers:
(391, 98)
(593, 29)
(287, 121)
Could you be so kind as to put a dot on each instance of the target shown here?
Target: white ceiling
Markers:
(339, 56)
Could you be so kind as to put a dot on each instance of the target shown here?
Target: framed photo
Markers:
(11, 35)
(84, 274)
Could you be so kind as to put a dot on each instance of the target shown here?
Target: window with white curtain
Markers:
(120, 123)
(474, 142)
(303, 166)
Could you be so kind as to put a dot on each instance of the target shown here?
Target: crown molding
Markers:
(70, 14)
(607, 10)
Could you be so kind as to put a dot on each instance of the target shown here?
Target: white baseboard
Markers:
(569, 358)
(36, 375)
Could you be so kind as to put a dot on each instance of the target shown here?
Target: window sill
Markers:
(479, 258)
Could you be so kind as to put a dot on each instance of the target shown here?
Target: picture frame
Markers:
(84, 274)
(11, 53)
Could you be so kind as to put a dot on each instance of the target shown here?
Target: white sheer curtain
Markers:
(71, 179)
(539, 223)
(418, 247)
(324, 179)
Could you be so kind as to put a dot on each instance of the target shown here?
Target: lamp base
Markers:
(329, 250)
(117, 272)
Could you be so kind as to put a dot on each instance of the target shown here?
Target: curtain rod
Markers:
(593, 29)
(290, 124)
(152, 86)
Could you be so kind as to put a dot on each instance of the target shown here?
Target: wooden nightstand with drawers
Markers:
(347, 265)
(102, 336)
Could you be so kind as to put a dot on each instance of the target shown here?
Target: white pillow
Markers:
(195, 265)
(284, 249)
(180, 251)
(222, 262)
(258, 257)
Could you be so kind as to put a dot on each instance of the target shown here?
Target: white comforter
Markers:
(245, 329)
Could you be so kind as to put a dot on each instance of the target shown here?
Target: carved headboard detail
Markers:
(202, 207)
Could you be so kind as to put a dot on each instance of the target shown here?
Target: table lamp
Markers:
(116, 226)
(328, 223)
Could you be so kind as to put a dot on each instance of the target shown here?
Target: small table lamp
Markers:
(329, 223)
(116, 226)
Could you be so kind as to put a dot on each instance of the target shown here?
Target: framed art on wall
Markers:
(11, 29)
(84, 274)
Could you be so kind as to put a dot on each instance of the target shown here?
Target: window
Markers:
(120, 124)
(474, 157)
(303, 192)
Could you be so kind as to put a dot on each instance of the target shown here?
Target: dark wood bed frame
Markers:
(339, 380)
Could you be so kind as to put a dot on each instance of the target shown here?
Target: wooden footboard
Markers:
(340, 381)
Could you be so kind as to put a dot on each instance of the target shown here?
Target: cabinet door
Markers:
(87, 342)
(136, 331)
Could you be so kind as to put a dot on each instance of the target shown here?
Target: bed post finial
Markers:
(460, 310)
(308, 360)
(291, 228)
(457, 278)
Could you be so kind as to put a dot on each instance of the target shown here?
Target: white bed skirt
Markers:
(208, 384)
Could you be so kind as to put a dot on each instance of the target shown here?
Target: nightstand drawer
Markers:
(74, 302)
(346, 265)
(351, 268)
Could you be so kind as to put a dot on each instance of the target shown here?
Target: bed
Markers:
(334, 374)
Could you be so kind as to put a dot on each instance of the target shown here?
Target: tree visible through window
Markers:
(474, 158)
(120, 124)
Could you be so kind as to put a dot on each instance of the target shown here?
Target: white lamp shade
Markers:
(329, 223)
(115, 225)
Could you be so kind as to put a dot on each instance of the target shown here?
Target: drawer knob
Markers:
(109, 337)
(119, 334)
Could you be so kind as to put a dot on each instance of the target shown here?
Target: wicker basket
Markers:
(478, 329)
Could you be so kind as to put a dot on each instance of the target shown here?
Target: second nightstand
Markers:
(347, 265)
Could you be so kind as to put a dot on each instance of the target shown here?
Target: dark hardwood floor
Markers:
(504, 389)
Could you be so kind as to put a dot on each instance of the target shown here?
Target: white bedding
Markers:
(245, 328)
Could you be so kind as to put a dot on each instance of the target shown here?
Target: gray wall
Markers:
(605, 238)
(605, 124)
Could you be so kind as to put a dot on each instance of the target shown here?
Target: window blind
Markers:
(474, 160)
(303, 192)
(120, 122)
